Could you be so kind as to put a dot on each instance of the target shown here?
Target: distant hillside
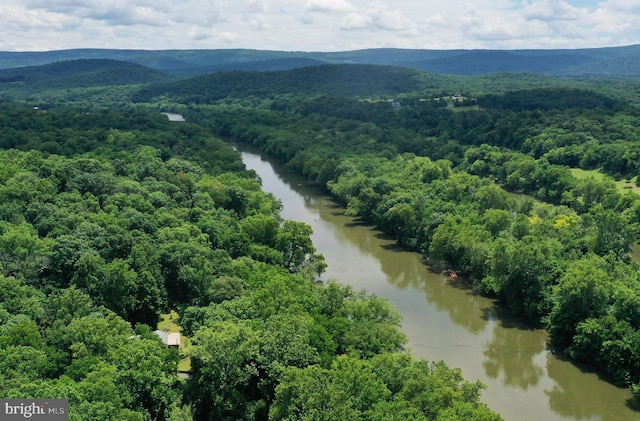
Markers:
(182, 63)
(483, 62)
(610, 61)
(101, 80)
(548, 99)
(267, 65)
(81, 73)
(344, 80)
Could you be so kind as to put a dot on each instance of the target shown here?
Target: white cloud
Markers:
(132, 12)
(228, 37)
(551, 10)
(258, 6)
(328, 6)
(378, 16)
(625, 6)
(393, 20)
(319, 25)
(259, 23)
(356, 21)
(484, 25)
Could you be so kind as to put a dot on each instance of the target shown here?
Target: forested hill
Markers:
(482, 62)
(343, 80)
(81, 74)
(432, 174)
(97, 81)
(499, 90)
(111, 215)
(109, 218)
(610, 61)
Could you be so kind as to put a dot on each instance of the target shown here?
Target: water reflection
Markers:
(463, 306)
(569, 397)
(407, 271)
(511, 356)
(445, 320)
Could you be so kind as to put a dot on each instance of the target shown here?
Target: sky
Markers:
(317, 25)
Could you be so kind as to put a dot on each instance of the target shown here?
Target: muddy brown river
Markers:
(444, 320)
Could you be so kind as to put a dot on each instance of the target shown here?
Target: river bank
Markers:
(443, 319)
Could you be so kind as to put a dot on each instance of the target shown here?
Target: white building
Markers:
(170, 339)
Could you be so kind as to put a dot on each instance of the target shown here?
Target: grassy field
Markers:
(623, 185)
(169, 323)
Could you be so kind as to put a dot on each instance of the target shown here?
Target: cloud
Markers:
(550, 10)
(617, 19)
(259, 23)
(132, 12)
(228, 37)
(319, 25)
(257, 6)
(624, 6)
(378, 16)
(529, 24)
(356, 21)
(482, 24)
(328, 6)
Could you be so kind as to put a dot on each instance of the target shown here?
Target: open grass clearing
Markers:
(170, 323)
(623, 185)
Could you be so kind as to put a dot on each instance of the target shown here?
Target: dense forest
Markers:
(487, 187)
(108, 219)
(112, 216)
(82, 73)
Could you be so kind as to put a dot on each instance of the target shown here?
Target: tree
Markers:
(23, 253)
(496, 220)
(66, 252)
(262, 229)
(613, 231)
(20, 330)
(18, 298)
(373, 328)
(611, 344)
(95, 334)
(285, 341)
(345, 391)
(19, 365)
(454, 240)
(293, 241)
(493, 197)
(146, 371)
(582, 292)
(225, 288)
(434, 388)
(532, 268)
(223, 359)
(401, 221)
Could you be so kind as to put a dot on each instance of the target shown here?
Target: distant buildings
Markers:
(174, 117)
(170, 339)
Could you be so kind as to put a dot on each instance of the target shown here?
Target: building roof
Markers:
(169, 338)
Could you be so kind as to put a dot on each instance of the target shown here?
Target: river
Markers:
(444, 320)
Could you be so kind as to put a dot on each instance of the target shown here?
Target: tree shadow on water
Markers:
(511, 354)
(588, 395)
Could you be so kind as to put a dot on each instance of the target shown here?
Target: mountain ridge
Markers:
(82, 73)
(603, 61)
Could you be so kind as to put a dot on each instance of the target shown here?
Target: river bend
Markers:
(445, 321)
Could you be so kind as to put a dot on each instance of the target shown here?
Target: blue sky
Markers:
(317, 25)
(584, 3)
